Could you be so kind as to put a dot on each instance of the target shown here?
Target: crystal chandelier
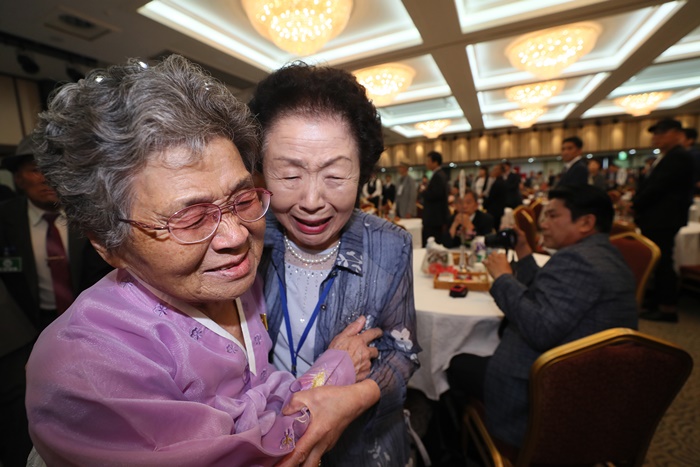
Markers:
(384, 82)
(546, 53)
(433, 128)
(300, 27)
(535, 94)
(641, 104)
(525, 118)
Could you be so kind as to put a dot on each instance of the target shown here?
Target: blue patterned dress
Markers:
(373, 277)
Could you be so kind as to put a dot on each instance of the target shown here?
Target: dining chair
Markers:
(641, 255)
(620, 226)
(596, 400)
(525, 222)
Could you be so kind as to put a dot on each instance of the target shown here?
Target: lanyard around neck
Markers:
(294, 353)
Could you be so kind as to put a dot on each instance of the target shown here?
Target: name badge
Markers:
(11, 264)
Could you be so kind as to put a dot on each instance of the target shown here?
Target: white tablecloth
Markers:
(449, 326)
(415, 228)
(687, 249)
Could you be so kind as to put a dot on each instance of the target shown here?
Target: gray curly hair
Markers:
(97, 134)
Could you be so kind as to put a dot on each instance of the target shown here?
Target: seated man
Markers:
(468, 221)
(584, 288)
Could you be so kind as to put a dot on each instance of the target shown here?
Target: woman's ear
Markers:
(111, 257)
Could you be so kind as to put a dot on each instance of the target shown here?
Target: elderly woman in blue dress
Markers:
(326, 264)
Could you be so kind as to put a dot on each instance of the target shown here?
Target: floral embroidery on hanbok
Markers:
(287, 443)
(230, 348)
(196, 333)
(160, 309)
(257, 339)
(350, 259)
(403, 339)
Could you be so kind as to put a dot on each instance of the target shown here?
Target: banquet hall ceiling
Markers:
(456, 46)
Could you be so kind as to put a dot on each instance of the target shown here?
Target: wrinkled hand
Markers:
(356, 344)
(332, 409)
(497, 264)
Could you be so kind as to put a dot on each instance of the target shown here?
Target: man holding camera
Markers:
(584, 288)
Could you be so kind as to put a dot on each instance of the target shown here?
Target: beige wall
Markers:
(20, 103)
(604, 135)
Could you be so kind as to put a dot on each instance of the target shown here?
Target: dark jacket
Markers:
(576, 175)
(86, 266)
(663, 198)
(583, 289)
(435, 208)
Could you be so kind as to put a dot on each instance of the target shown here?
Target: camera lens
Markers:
(506, 238)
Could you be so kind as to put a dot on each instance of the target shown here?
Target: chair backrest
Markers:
(619, 227)
(600, 398)
(641, 255)
(526, 223)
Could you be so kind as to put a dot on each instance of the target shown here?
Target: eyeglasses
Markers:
(198, 222)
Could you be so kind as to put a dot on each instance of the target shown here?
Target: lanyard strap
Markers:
(293, 353)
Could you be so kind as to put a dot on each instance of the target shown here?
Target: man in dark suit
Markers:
(689, 141)
(27, 284)
(584, 288)
(436, 212)
(23, 233)
(495, 195)
(512, 179)
(661, 208)
(468, 221)
(575, 171)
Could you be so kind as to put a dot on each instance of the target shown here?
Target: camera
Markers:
(506, 238)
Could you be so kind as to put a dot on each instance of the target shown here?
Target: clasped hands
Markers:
(332, 408)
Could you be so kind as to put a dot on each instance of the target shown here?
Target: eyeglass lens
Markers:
(196, 223)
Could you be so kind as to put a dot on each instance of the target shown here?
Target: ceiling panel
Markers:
(457, 48)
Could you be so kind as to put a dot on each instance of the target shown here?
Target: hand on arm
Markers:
(356, 343)
(332, 409)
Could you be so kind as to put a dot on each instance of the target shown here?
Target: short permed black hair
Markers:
(303, 89)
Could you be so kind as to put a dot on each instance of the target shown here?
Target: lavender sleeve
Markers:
(124, 379)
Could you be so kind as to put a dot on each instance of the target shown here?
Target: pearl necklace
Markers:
(308, 261)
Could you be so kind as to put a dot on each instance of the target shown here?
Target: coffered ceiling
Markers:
(457, 48)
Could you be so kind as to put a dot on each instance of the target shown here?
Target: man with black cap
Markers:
(43, 266)
(661, 208)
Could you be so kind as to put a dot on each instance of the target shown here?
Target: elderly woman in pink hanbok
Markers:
(165, 360)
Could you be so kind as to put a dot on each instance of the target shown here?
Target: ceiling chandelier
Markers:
(546, 53)
(384, 82)
(300, 27)
(433, 128)
(525, 118)
(641, 104)
(535, 94)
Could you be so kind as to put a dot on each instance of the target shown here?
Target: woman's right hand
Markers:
(356, 343)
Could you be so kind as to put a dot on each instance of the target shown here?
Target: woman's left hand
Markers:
(332, 409)
(356, 343)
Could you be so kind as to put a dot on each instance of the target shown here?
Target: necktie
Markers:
(58, 264)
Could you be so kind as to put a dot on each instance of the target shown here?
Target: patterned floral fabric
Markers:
(373, 277)
(131, 376)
